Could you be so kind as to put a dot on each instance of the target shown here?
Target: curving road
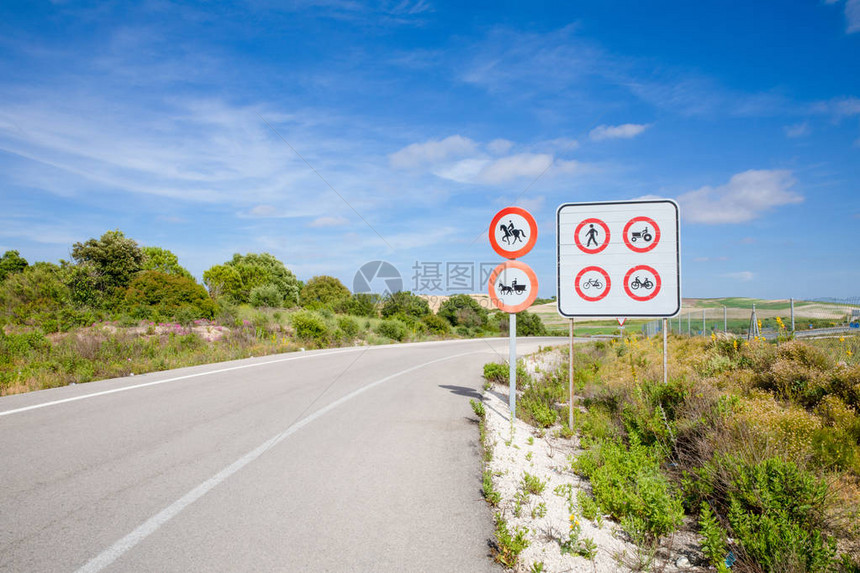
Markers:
(356, 459)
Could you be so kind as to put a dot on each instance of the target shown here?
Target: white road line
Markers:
(166, 380)
(152, 525)
(197, 374)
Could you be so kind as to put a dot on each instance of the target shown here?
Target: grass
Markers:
(758, 443)
(30, 360)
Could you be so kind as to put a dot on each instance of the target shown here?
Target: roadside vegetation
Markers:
(118, 308)
(755, 445)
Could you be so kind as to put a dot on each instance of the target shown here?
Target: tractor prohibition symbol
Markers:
(644, 234)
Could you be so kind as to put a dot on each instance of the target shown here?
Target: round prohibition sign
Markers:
(591, 233)
(531, 289)
(577, 283)
(504, 245)
(638, 285)
(645, 236)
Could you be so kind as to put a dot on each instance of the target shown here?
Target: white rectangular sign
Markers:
(619, 258)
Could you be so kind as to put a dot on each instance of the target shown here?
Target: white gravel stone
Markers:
(548, 457)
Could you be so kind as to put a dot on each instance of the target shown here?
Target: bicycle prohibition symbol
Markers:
(593, 283)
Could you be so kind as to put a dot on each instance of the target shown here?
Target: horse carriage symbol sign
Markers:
(513, 232)
(619, 258)
(513, 286)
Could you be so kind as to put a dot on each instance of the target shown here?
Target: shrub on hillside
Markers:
(310, 327)
(359, 304)
(323, 292)
(266, 295)
(404, 303)
(436, 324)
(463, 310)
(153, 294)
(349, 326)
(393, 329)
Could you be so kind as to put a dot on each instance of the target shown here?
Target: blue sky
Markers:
(332, 133)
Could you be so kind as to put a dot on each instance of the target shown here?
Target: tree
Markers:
(11, 262)
(163, 295)
(222, 280)
(36, 296)
(164, 261)
(463, 310)
(239, 276)
(405, 303)
(113, 258)
(528, 324)
(323, 291)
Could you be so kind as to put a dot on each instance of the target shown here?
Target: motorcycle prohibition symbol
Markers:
(647, 284)
(644, 234)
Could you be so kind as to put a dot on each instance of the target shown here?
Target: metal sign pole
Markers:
(570, 382)
(512, 360)
(665, 352)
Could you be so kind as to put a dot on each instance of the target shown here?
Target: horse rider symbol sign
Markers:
(513, 232)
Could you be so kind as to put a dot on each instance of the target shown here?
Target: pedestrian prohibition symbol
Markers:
(618, 258)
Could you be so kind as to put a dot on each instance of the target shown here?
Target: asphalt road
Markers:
(358, 459)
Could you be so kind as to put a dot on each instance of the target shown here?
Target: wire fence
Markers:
(768, 319)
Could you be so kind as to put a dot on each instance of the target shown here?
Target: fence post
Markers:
(792, 315)
(725, 320)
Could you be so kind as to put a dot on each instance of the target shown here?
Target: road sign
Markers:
(513, 286)
(619, 258)
(621, 321)
(513, 232)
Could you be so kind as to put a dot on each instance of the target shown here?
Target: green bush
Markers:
(323, 292)
(405, 303)
(349, 326)
(776, 512)
(436, 324)
(266, 295)
(360, 304)
(463, 310)
(310, 327)
(627, 482)
(393, 329)
(153, 294)
(528, 324)
(714, 542)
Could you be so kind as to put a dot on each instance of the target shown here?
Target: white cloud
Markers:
(625, 131)
(513, 167)
(464, 171)
(460, 159)
(323, 222)
(797, 130)
(743, 276)
(745, 197)
(500, 146)
(852, 14)
(419, 155)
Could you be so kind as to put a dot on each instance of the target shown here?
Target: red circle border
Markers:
(657, 286)
(585, 296)
(586, 249)
(533, 232)
(532, 293)
(657, 234)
